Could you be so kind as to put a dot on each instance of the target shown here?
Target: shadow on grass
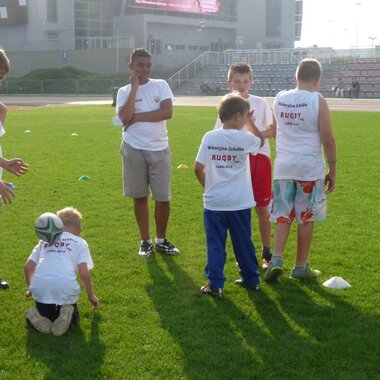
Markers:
(70, 356)
(217, 338)
(343, 340)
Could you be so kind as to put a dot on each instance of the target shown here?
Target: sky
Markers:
(341, 24)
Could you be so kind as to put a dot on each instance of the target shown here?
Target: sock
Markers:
(266, 252)
(160, 240)
(302, 267)
(149, 241)
(276, 259)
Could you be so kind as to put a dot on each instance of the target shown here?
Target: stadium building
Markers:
(98, 34)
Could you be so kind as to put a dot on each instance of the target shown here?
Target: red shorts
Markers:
(261, 177)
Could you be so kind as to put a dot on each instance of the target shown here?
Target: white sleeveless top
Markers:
(298, 144)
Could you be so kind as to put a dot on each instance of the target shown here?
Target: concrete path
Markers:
(370, 105)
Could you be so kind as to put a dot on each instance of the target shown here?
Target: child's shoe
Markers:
(146, 249)
(212, 291)
(3, 284)
(274, 270)
(266, 255)
(167, 248)
(241, 283)
(62, 323)
(304, 273)
(40, 323)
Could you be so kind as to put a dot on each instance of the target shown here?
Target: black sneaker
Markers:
(212, 291)
(3, 284)
(266, 256)
(167, 248)
(240, 282)
(146, 249)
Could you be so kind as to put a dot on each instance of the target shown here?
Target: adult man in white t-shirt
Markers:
(143, 107)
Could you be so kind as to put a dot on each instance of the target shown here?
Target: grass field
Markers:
(152, 323)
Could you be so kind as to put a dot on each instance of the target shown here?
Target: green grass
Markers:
(152, 323)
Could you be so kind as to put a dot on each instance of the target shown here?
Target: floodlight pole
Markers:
(373, 46)
(357, 25)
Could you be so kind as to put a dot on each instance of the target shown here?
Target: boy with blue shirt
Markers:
(222, 168)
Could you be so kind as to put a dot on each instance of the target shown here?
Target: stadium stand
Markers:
(271, 76)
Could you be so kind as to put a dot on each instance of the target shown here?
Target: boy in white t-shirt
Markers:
(304, 131)
(50, 273)
(240, 79)
(15, 166)
(143, 107)
(222, 169)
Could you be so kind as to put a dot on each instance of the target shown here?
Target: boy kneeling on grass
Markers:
(50, 274)
(222, 168)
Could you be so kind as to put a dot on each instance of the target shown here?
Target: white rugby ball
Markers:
(48, 227)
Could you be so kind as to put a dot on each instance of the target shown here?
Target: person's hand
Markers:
(94, 301)
(16, 166)
(134, 79)
(330, 182)
(129, 124)
(5, 192)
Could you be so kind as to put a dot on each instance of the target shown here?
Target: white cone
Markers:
(74, 134)
(336, 283)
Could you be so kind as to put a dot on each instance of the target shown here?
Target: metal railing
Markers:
(211, 59)
(83, 43)
(60, 86)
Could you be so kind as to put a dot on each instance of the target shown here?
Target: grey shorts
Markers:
(144, 170)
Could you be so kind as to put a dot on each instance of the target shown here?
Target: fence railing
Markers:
(83, 43)
(60, 86)
(269, 56)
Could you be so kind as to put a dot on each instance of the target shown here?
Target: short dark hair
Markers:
(239, 68)
(4, 61)
(138, 53)
(230, 105)
(309, 70)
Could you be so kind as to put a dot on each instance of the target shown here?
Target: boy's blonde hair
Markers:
(239, 68)
(4, 61)
(70, 217)
(230, 105)
(309, 70)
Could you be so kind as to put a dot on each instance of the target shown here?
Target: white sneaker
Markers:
(62, 323)
(40, 323)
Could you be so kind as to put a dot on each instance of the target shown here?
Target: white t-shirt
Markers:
(262, 118)
(143, 134)
(224, 152)
(298, 144)
(2, 132)
(55, 280)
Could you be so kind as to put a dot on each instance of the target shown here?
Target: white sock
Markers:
(149, 241)
(160, 240)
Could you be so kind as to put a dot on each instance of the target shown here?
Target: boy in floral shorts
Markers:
(303, 129)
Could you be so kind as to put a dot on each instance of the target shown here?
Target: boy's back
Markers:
(224, 152)
(55, 279)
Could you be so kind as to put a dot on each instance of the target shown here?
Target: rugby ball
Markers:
(48, 227)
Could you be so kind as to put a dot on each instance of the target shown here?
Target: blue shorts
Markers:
(303, 200)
